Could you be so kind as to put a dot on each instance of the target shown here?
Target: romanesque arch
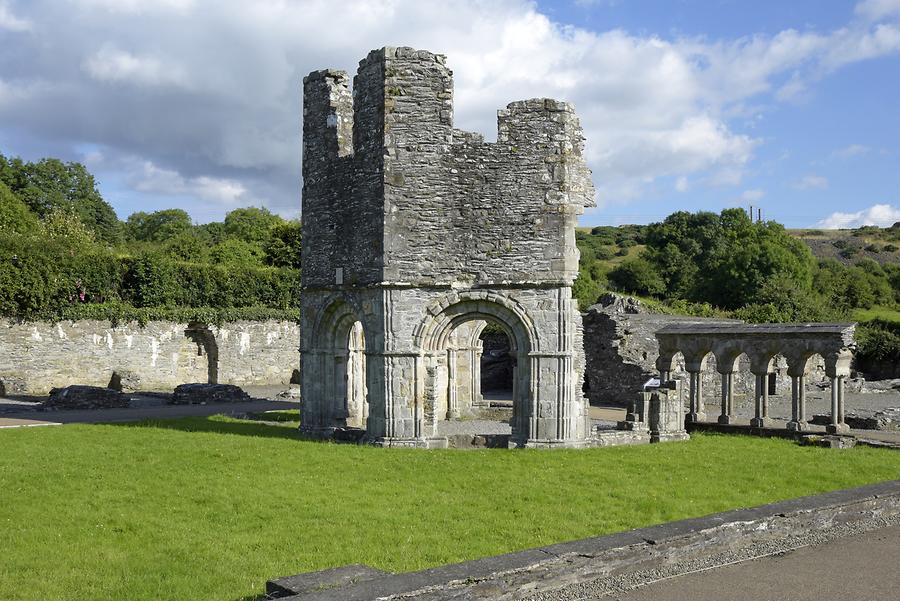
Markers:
(442, 358)
(340, 393)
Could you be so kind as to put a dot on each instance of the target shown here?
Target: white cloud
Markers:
(874, 10)
(151, 178)
(752, 195)
(136, 6)
(883, 215)
(11, 22)
(112, 65)
(853, 150)
(682, 184)
(811, 182)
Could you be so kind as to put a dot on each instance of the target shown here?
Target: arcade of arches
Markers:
(797, 343)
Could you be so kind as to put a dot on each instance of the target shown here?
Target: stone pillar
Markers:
(663, 412)
(837, 425)
(313, 391)
(798, 421)
(761, 405)
(727, 415)
(697, 411)
(452, 391)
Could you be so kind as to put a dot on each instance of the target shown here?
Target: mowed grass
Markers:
(209, 508)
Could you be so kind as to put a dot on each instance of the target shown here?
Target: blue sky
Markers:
(686, 105)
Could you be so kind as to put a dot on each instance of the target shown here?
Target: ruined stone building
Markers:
(416, 235)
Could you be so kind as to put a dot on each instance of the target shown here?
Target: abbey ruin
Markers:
(416, 235)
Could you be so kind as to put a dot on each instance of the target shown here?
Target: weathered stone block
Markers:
(202, 394)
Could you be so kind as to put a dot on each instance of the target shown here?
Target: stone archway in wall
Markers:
(342, 389)
(450, 354)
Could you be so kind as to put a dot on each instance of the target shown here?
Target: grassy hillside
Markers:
(849, 246)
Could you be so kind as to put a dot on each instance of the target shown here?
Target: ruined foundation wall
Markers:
(38, 356)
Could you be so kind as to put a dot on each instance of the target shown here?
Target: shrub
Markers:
(878, 339)
(638, 276)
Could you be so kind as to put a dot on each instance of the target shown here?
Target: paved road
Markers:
(863, 567)
(94, 416)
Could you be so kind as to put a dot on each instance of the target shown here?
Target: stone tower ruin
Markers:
(416, 235)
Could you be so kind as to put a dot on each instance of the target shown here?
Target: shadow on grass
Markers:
(217, 424)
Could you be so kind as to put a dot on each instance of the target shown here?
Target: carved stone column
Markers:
(837, 425)
(727, 415)
(452, 390)
(798, 421)
(697, 411)
(761, 401)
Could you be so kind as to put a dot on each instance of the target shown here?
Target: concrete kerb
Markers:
(545, 569)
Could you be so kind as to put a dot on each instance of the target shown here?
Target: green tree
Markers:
(638, 276)
(15, 216)
(251, 224)
(158, 226)
(50, 185)
(724, 259)
(284, 245)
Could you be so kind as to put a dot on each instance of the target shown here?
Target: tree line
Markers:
(65, 254)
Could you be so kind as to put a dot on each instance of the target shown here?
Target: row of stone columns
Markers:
(697, 410)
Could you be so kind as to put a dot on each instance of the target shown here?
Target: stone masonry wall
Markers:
(621, 351)
(38, 356)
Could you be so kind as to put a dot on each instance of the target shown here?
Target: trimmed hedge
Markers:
(47, 279)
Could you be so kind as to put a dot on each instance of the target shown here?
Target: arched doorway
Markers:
(339, 398)
(452, 344)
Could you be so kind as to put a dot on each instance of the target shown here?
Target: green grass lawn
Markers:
(883, 313)
(211, 508)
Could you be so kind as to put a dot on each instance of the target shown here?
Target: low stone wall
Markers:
(621, 350)
(38, 356)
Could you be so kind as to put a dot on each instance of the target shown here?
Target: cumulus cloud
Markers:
(169, 182)
(112, 65)
(211, 89)
(752, 195)
(11, 22)
(878, 9)
(811, 182)
(883, 215)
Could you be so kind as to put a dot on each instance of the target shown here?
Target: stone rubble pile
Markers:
(85, 397)
(202, 394)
